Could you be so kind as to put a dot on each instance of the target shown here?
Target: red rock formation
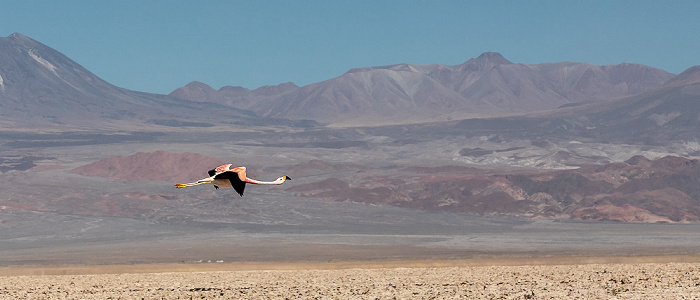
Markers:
(639, 190)
(158, 166)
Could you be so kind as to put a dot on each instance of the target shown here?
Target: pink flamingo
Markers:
(224, 176)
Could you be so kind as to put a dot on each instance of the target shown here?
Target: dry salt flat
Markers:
(586, 281)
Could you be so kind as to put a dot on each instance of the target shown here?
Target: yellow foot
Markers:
(180, 185)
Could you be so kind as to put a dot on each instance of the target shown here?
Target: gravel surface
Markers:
(587, 281)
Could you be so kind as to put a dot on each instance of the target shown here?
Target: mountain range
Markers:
(40, 87)
(486, 86)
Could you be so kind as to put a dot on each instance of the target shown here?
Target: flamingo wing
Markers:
(219, 169)
(236, 182)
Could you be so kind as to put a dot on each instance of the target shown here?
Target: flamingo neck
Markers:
(253, 181)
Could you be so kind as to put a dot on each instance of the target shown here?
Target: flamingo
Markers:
(225, 176)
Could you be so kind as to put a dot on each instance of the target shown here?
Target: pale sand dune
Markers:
(571, 281)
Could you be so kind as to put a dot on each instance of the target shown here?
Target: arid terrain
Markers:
(563, 281)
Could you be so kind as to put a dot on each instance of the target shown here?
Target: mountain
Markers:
(486, 86)
(667, 113)
(40, 87)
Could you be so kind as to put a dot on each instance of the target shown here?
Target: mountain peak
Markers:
(486, 61)
(17, 35)
(21, 39)
(494, 58)
(692, 72)
(194, 89)
(689, 76)
(199, 85)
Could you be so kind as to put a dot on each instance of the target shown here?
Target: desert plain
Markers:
(571, 278)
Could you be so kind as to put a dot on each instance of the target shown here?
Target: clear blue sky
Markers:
(158, 46)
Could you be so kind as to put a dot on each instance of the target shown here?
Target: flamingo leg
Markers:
(198, 182)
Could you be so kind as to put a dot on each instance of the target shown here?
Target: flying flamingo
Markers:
(224, 176)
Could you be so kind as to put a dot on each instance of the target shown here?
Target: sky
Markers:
(158, 46)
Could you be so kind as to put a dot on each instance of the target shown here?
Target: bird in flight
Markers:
(225, 176)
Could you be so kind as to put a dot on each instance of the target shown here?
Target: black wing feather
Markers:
(236, 182)
(212, 172)
(237, 185)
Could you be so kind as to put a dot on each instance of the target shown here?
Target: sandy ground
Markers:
(676, 280)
